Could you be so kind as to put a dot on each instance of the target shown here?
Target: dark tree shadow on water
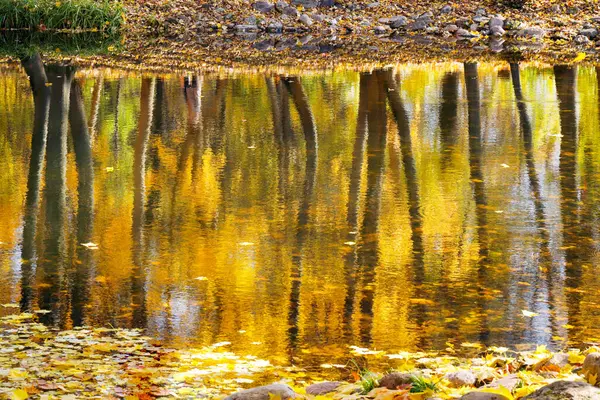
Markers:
(58, 103)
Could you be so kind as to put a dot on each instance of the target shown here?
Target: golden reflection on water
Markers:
(294, 216)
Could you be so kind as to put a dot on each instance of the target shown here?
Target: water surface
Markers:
(293, 216)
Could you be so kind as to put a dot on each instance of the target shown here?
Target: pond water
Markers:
(293, 216)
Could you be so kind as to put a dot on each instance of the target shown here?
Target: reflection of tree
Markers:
(527, 136)
(41, 98)
(449, 115)
(282, 127)
(95, 107)
(368, 256)
(358, 155)
(85, 190)
(138, 291)
(54, 265)
(565, 78)
(307, 121)
(476, 174)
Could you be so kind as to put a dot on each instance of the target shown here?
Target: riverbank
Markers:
(38, 362)
(328, 33)
(183, 35)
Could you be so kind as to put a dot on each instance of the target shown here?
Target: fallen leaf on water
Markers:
(529, 314)
(90, 245)
(580, 57)
(246, 244)
(201, 278)
(10, 305)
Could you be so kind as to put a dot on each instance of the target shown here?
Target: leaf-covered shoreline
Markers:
(39, 362)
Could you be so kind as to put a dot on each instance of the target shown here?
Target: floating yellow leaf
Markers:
(580, 57)
(529, 314)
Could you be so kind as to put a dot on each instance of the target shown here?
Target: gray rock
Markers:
(326, 3)
(509, 381)
(481, 12)
(497, 31)
(318, 17)
(321, 388)
(450, 28)
(496, 45)
(427, 14)
(246, 28)
(496, 21)
(275, 27)
(398, 22)
(558, 360)
(483, 396)
(463, 33)
(474, 27)
(291, 11)
(417, 25)
(461, 378)
(447, 9)
(596, 20)
(263, 6)
(263, 45)
(305, 3)
(395, 379)
(281, 5)
(565, 390)
(426, 18)
(589, 33)
(533, 32)
(381, 29)
(580, 39)
(251, 20)
(463, 22)
(555, 8)
(591, 365)
(264, 393)
(480, 19)
(373, 5)
(306, 20)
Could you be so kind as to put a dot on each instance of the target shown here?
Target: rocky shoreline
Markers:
(463, 384)
(322, 26)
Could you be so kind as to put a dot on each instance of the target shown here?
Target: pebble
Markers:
(291, 11)
(461, 378)
(306, 20)
(246, 28)
(275, 27)
(497, 31)
(263, 6)
(447, 9)
(398, 22)
(589, 33)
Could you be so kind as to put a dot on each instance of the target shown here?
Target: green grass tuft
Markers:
(420, 384)
(368, 381)
(78, 15)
